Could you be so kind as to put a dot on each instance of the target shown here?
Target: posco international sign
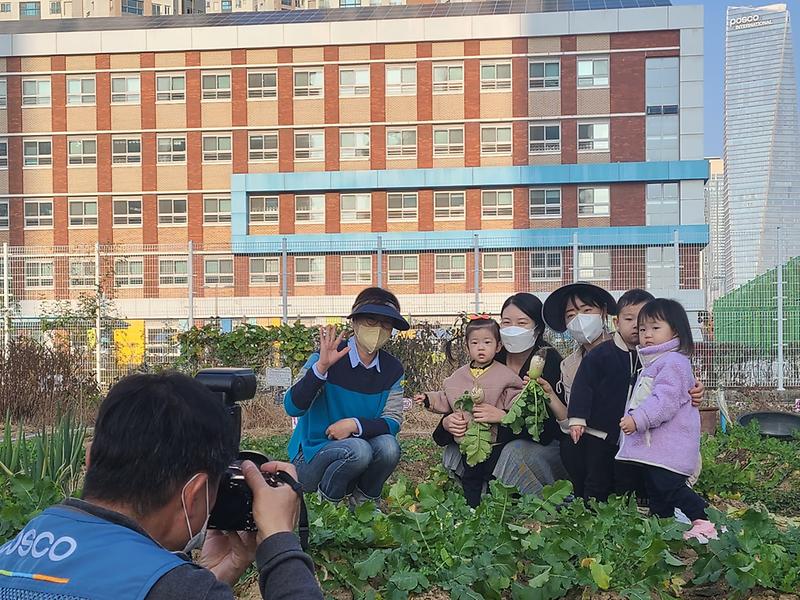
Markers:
(748, 22)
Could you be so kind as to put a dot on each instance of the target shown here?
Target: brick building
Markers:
(441, 150)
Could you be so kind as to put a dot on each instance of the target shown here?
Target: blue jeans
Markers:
(346, 465)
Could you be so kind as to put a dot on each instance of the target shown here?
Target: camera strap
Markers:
(302, 526)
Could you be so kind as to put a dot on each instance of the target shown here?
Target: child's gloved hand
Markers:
(419, 399)
(627, 425)
(575, 432)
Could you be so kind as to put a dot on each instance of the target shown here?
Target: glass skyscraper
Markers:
(762, 174)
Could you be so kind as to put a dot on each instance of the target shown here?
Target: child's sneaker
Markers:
(702, 531)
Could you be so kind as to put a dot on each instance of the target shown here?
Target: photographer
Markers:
(161, 444)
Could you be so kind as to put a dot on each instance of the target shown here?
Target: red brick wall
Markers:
(377, 82)
(331, 85)
(425, 207)
(239, 112)
(472, 144)
(473, 209)
(379, 211)
(333, 213)
(627, 204)
(569, 206)
(627, 139)
(521, 208)
(285, 111)
(427, 271)
(649, 39)
(333, 274)
(626, 73)
(286, 213)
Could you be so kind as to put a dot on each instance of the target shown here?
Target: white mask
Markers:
(195, 540)
(585, 328)
(517, 339)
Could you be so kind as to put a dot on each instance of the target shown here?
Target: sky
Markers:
(715, 61)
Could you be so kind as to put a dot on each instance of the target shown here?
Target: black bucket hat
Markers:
(382, 310)
(556, 303)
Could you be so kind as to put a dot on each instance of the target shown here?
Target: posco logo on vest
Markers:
(39, 545)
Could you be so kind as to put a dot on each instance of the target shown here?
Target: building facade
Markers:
(762, 179)
(714, 260)
(257, 168)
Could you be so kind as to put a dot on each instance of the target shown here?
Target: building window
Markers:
(496, 76)
(216, 209)
(448, 205)
(126, 151)
(125, 89)
(309, 145)
(356, 208)
(309, 209)
(83, 212)
(81, 273)
(403, 268)
(171, 149)
(217, 148)
(133, 7)
(216, 86)
(662, 205)
(545, 265)
(264, 146)
(593, 137)
(662, 85)
(594, 265)
(38, 213)
(401, 143)
(662, 141)
(173, 271)
(170, 87)
(448, 78)
(592, 72)
(353, 81)
(162, 343)
(308, 83)
(128, 272)
(226, 6)
(3, 153)
(80, 90)
(401, 206)
(263, 209)
(401, 80)
(544, 75)
(3, 92)
(156, 10)
(496, 140)
(545, 203)
(497, 204)
(264, 271)
(4, 214)
(354, 145)
(498, 266)
(356, 270)
(82, 152)
(448, 141)
(593, 202)
(30, 10)
(127, 211)
(36, 92)
(37, 153)
(450, 267)
(262, 85)
(218, 271)
(172, 211)
(544, 138)
(5, 7)
(660, 270)
(38, 273)
(309, 269)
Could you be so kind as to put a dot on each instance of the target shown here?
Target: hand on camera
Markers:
(275, 509)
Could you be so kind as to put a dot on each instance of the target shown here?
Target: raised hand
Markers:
(329, 353)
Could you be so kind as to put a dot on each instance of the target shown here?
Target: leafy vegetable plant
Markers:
(529, 410)
(476, 445)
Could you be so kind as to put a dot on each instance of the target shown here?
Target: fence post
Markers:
(676, 241)
(575, 257)
(190, 283)
(6, 299)
(380, 262)
(477, 274)
(285, 281)
(780, 312)
(98, 324)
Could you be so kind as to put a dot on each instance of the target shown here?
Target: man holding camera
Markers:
(161, 444)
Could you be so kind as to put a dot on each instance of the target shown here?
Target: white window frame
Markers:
(133, 275)
(588, 269)
(403, 149)
(358, 150)
(448, 213)
(129, 218)
(496, 146)
(662, 208)
(449, 274)
(218, 215)
(361, 274)
(262, 154)
(401, 88)
(495, 83)
(660, 268)
(129, 158)
(656, 147)
(404, 274)
(132, 93)
(361, 210)
(402, 214)
(546, 212)
(43, 278)
(545, 145)
(42, 218)
(263, 277)
(162, 343)
(447, 85)
(218, 154)
(223, 277)
(85, 276)
(172, 156)
(172, 218)
(492, 209)
(171, 94)
(593, 80)
(451, 148)
(262, 92)
(497, 273)
(217, 93)
(4, 213)
(3, 92)
(82, 158)
(3, 154)
(594, 201)
(41, 97)
(310, 89)
(550, 271)
(42, 159)
(169, 271)
(594, 144)
(310, 153)
(258, 213)
(544, 82)
(309, 276)
(315, 217)
(82, 98)
(82, 219)
(359, 87)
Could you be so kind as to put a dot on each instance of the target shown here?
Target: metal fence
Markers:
(138, 297)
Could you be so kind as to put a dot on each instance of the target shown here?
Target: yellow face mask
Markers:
(371, 338)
